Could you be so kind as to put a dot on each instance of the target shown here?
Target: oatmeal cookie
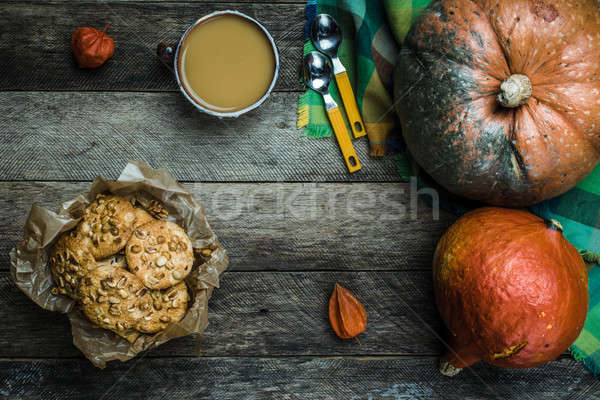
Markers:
(116, 260)
(108, 222)
(160, 253)
(141, 217)
(168, 306)
(70, 260)
(114, 299)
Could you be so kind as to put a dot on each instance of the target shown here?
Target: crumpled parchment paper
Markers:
(31, 273)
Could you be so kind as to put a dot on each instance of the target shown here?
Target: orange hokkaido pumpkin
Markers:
(500, 100)
(510, 288)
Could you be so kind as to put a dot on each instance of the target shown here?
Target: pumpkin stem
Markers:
(553, 224)
(447, 369)
(514, 91)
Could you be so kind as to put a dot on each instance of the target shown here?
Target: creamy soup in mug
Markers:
(226, 63)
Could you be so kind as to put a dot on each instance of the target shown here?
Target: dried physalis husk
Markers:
(91, 47)
(347, 316)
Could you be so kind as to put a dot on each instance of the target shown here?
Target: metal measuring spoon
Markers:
(326, 36)
(317, 75)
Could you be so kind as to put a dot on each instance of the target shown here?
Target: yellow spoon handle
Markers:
(356, 122)
(341, 133)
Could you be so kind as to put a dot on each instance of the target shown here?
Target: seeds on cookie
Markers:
(108, 305)
(160, 253)
(70, 261)
(168, 306)
(108, 222)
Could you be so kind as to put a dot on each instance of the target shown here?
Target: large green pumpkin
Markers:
(500, 100)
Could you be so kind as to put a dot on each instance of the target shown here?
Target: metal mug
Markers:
(170, 55)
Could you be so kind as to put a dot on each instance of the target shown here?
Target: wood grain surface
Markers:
(36, 53)
(191, 2)
(292, 219)
(78, 136)
(282, 226)
(293, 378)
(262, 314)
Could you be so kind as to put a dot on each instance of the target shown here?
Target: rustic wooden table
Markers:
(294, 223)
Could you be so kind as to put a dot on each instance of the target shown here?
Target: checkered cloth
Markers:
(368, 52)
(578, 211)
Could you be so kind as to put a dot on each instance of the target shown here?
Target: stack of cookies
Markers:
(125, 268)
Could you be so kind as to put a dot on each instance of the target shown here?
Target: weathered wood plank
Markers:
(282, 226)
(260, 314)
(77, 136)
(36, 52)
(35, 2)
(209, 2)
(291, 378)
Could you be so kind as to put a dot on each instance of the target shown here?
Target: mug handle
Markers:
(166, 53)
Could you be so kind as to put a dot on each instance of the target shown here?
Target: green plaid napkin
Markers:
(369, 51)
(578, 211)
